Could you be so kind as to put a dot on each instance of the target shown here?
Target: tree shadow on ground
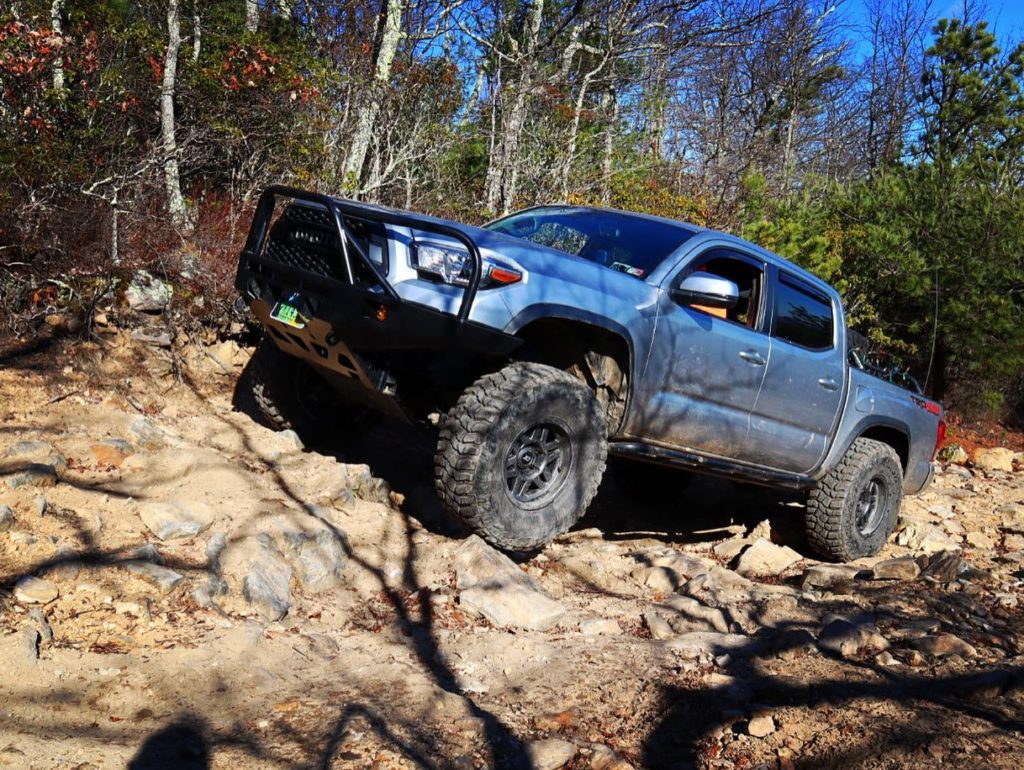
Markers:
(687, 714)
(983, 694)
(704, 511)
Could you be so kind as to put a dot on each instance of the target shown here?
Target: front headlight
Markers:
(450, 264)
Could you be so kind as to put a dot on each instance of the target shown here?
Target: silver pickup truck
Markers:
(543, 342)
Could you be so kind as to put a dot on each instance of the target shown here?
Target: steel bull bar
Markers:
(361, 311)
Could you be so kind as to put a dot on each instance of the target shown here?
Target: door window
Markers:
(748, 277)
(802, 316)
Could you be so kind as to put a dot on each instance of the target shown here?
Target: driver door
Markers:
(706, 366)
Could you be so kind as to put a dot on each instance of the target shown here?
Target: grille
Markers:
(308, 216)
(305, 238)
(305, 258)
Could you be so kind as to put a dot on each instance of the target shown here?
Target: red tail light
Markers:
(940, 436)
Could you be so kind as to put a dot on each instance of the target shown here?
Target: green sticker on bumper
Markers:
(288, 315)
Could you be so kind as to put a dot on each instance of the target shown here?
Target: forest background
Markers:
(879, 143)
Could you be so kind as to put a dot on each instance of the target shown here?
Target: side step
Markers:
(713, 466)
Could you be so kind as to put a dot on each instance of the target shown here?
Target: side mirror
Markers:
(707, 290)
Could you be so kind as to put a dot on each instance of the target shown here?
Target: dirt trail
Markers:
(224, 598)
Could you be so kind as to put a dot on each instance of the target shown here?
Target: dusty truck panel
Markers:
(543, 342)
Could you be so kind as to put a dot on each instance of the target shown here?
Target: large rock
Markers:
(761, 726)
(550, 753)
(900, 568)
(264, 575)
(19, 648)
(33, 475)
(36, 451)
(170, 520)
(491, 584)
(997, 459)
(319, 558)
(603, 758)
(831, 577)
(112, 452)
(148, 294)
(149, 435)
(665, 570)
(600, 627)
(846, 639)
(953, 453)
(766, 559)
(685, 564)
(166, 580)
(366, 486)
(658, 627)
(710, 644)
(692, 609)
(33, 590)
(598, 570)
(927, 538)
(941, 645)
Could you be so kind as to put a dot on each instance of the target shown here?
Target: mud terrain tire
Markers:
(521, 454)
(286, 393)
(852, 511)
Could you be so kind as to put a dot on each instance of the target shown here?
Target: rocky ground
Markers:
(180, 587)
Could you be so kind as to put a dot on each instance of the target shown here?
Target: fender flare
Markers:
(553, 311)
(859, 429)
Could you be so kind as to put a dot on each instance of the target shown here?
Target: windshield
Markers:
(624, 242)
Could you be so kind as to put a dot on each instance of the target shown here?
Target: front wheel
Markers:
(852, 510)
(521, 455)
(286, 393)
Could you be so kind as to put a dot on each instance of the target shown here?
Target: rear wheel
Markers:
(853, 510)
(521, 455)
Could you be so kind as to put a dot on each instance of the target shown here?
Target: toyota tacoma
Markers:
(548, 340)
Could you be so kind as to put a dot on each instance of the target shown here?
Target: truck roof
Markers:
(695, 230)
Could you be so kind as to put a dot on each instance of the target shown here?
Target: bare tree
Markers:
(169, 146)
(390, 21)
(252, 15)
(197, 31)
(57, 25)
(896, 33)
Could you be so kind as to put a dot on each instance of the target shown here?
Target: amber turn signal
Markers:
(504, 275)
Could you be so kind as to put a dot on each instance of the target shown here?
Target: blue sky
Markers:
(1005, 17)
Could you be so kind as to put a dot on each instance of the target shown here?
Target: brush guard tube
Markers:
(338, 209)
(357, 312)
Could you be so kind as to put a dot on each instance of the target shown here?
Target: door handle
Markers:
(752, 357)
(828, 383)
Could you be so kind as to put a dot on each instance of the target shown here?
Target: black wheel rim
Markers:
(537, 463)
(312, 394)
(871, 506)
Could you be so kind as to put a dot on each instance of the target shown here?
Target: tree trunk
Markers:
(175, 201)
(789, 155)
(115, 230)
(609, 147)
(197, 31)
(366, 121)
(252, 15)
(57, 23)
(503, 177)
(574, 131)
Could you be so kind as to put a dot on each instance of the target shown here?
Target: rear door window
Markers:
(801, 315)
